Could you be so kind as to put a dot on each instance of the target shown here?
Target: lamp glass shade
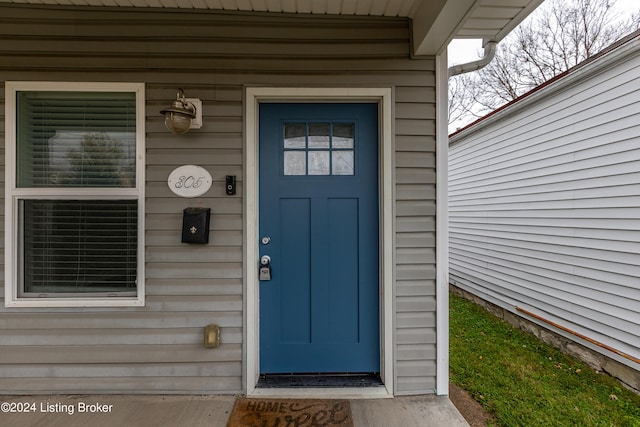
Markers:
(177, 122)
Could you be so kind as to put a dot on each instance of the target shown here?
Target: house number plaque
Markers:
(189, 181)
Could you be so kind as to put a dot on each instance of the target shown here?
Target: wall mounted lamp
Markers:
(184, 114)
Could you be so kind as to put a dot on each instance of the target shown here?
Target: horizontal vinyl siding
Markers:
(212, 56)
(415, 239)
(545, 206)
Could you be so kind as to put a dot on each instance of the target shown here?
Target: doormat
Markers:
(290, 413)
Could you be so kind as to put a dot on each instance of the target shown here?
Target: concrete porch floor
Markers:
(210, 411)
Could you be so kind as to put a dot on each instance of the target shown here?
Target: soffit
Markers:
(435, 22)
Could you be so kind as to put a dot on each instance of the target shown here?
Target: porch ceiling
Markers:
(435, 22)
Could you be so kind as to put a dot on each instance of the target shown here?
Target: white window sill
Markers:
(75, 302)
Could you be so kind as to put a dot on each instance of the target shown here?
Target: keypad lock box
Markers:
(195, 225)
(264, 272)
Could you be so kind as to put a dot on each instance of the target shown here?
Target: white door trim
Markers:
(251, 350)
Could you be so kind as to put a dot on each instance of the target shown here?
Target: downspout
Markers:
(489, 53)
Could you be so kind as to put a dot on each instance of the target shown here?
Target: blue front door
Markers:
(319, 225)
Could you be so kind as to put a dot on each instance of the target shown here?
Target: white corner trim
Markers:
(442, 228)
(253, 96)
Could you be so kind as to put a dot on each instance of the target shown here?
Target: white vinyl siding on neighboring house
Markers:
(544, 203)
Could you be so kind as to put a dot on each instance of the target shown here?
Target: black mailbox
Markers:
(195, 225)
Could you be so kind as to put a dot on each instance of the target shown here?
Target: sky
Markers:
(464, 50)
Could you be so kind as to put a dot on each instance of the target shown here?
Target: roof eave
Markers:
(436, 23)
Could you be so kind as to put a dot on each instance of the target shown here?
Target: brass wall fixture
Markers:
(184, 114)
(211, 336)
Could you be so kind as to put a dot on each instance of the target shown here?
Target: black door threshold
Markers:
(319, 380)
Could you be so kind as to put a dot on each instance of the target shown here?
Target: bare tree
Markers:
(558, 36)
(462, 97)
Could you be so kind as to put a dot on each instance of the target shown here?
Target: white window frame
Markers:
(13, 195)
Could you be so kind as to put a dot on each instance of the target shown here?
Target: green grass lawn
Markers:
(524, 382)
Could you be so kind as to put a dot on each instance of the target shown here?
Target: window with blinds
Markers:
(76, 139)
(77, 207)
(79, 246)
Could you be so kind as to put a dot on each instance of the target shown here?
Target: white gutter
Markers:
(489, 53)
